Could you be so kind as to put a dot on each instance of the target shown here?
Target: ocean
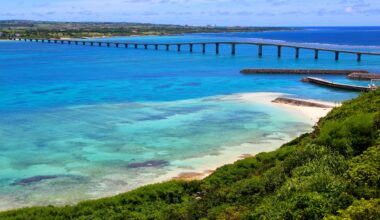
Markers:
(81, 122)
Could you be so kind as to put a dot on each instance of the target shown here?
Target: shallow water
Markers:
(79, 120)
(89, 149)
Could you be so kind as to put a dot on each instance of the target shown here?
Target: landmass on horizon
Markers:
(50, 29)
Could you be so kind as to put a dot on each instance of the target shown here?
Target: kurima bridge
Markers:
(190, 45)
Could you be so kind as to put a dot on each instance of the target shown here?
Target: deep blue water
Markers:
(35, 75)
(356, 37)
(81, 114)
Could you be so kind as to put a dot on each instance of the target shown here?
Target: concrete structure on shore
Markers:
(333, 85)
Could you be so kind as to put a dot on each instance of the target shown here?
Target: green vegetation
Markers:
(332, 173)
(41, 29)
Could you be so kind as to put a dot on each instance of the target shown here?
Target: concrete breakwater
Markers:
(364, 76)
(301, 71)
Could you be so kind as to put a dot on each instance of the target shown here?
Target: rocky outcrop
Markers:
(298, 102)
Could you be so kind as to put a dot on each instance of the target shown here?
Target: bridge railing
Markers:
(233, 45)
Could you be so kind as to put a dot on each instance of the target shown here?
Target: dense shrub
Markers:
(351, 136)
(360, 210)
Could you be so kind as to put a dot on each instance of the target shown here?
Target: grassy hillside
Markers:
(332, 173)
(45, 29)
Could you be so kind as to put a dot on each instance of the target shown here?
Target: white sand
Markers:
(203, 166)
(313, 113)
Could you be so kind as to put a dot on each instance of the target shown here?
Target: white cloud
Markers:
(349, 10)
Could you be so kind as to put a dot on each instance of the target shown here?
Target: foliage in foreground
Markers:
(332, 173)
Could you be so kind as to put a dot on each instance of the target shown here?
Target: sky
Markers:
(200, 12)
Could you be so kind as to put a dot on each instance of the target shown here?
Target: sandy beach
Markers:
(312, 113)
(204, 166)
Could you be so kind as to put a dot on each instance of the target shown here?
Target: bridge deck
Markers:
(217, 43)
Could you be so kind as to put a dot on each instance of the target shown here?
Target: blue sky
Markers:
(200, 12)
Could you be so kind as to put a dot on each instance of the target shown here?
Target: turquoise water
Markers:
(77, 122)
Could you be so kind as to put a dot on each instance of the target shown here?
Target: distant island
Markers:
(49, 29)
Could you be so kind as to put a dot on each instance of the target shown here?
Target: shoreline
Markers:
(200, 167)
(230, 154)
(176, 34)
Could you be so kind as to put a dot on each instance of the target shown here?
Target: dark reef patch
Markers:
(150, 163)
(34, 179)
(164, 86)
(49, 90)
(152, 117)
(192, 84)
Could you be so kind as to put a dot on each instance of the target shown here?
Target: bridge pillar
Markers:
(217, 48)
(279, 51)
(49, 41)
(359, 57)
(203, 48)
(145, 46)
(62, 42)
(84, 43)
(117, 45)
(30, 40)
(233, 49)
(297, 52)
(108, 44)
(100, 44)
(55, 41)
(136, 45)
(316, 54)
(92, 43)
(43, 41)
(179, 47)
(156, 46)
(126, 45)
(191, 48)
(69, 42)
(336, 55)
(260, 50)
(167, 47)
(76, 42)
(24, 39)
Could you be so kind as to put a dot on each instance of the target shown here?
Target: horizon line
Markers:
(168, 24)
